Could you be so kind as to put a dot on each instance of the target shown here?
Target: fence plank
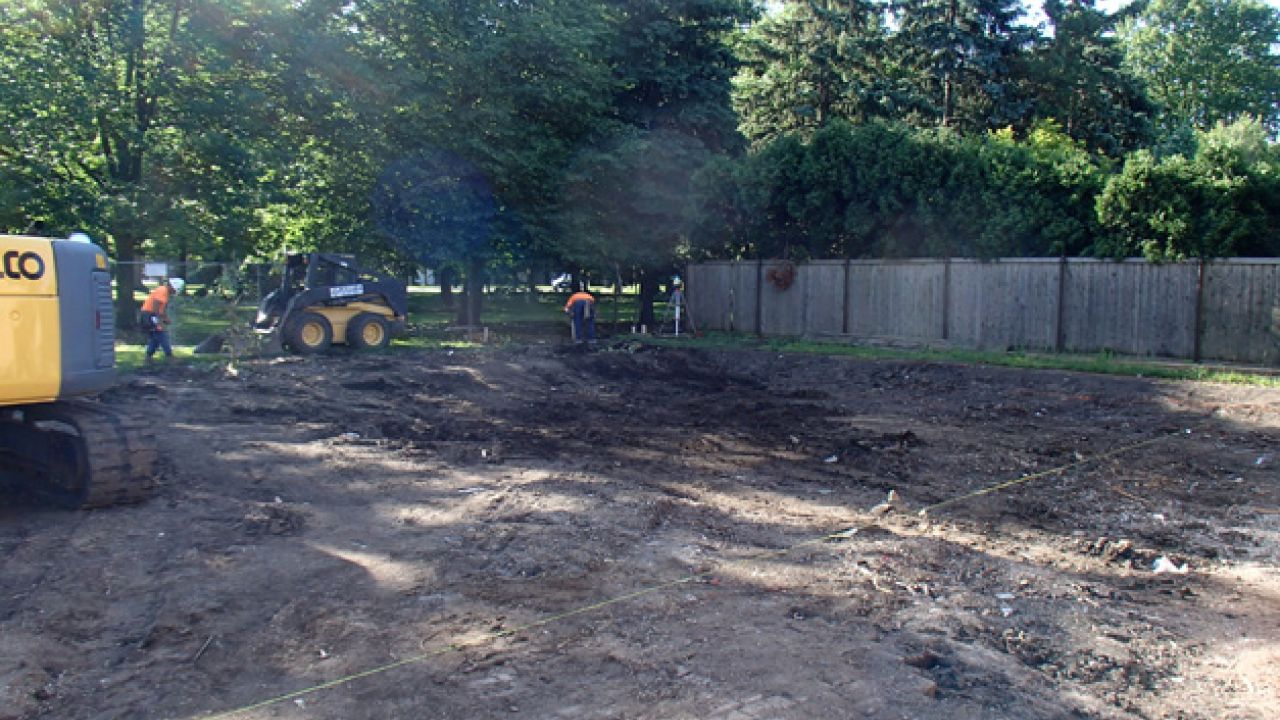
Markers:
(824, 298)
(722, 295)
(896, 300)
(1240, 300)
(1004, 304)
(710, 281)
(746, 288)
(782, 309)
(1131, 307)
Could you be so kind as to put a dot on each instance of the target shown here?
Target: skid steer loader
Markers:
(326, 299)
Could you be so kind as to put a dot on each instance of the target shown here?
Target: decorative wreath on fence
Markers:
(781, 274)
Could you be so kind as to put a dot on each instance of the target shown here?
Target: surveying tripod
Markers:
(677, 314)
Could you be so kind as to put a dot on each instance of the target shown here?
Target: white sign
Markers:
(338, 291)
(155, 270)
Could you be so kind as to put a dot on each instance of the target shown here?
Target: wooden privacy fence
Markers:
(1219, 310)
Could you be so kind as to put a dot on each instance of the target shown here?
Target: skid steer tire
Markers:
(308, 333)
(367, 331)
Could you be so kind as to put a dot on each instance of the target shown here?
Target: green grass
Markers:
(505, 308)
(129, 357)
(198, 318)
(194, 319)
(1101, 363)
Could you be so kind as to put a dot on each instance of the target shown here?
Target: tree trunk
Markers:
(184, 265)
(531, 285)
(648, 291)
(445, 277)
(462, 310)
(947, 82)
(473, 294)
(475, 300)
(126, 280)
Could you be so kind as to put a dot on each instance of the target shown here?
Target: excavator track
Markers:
(80, 454)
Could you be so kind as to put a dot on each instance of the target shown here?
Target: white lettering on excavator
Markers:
(338, 291)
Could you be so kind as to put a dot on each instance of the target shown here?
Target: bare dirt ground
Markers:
(419, 528)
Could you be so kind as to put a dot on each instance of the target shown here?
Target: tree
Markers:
(440, 209)
(106, 70)
(122, 118)
(1076, 79)
(629, 206)
(962, 54)
(627, 197)
(673, 67)
(1207, 61)
(43, 183)
(1220, 202)
(809, 64)
(509, 89)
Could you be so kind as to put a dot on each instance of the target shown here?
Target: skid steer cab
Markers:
(326, 299)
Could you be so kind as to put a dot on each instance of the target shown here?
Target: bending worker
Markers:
(155, 316)
(582, 308)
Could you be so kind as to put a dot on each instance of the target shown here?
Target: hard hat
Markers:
(177, 284)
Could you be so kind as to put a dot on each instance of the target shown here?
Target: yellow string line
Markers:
(465, 645)
(460, 646)
(1046, 473)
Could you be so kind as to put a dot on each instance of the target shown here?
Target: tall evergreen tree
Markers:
(630, 206)
(962, 54)
(809, 63)
(1076, 78)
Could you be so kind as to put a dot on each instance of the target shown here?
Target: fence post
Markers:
(759, 298)
(1059, 339)
(1199, 317)
(733, 298)
(946, 299)
(844, 326)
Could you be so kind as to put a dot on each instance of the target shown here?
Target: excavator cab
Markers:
(326, 299)
(57, 350)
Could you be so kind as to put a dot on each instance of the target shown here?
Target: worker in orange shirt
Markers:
(155, 317)
(581, 306)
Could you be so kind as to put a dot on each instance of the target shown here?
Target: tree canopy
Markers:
(623, 137)
(1207, 61)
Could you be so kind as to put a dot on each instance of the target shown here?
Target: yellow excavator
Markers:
(57, 351)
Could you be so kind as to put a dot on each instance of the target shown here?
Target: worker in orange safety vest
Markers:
(581, 306)
(155, 317)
